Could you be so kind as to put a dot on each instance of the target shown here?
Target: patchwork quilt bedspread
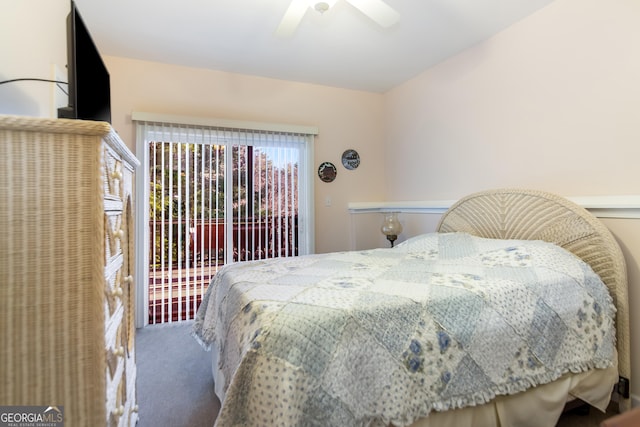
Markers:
(441, 321)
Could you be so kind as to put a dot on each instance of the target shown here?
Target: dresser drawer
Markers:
(114, 289)
(115, 351)
(115, 234)
(116, 375)
(113, 175)
(121, 372)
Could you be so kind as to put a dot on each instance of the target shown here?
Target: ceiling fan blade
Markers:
(378, 11)
(292, 17)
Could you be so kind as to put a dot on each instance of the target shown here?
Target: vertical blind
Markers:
(213, 195)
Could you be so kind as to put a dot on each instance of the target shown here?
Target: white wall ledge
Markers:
(600, 206)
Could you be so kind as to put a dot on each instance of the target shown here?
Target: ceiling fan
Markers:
(377, 10)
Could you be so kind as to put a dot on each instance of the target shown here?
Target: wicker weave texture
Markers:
(50, 293)
(537, 215)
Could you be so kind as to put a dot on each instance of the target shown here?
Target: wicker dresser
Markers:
(66, 268)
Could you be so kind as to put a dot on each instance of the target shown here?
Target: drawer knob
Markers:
(119, 351)
(119, 234)
(118, 411)
(128, 280)
(135, 408)
(116, 174)
(117, 292)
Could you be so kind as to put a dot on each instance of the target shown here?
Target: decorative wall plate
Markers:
(327, 172)
(350, 159)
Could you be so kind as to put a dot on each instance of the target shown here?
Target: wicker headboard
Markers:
(537, 215)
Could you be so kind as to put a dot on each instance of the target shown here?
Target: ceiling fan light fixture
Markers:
(377, 10)
(323, 6)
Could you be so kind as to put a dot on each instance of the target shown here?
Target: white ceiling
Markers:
(341, 48)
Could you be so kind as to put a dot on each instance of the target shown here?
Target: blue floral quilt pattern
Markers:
(441, 321)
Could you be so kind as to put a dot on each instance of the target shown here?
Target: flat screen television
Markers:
(88, 77)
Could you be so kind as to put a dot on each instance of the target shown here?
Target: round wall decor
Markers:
(327, 171)
(350, 159)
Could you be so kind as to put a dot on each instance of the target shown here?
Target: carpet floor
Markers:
(174, 383)
(175, 386)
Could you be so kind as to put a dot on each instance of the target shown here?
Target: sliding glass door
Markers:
(215, 196)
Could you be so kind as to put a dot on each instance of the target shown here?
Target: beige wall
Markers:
(551, 103)
(345, 118)
(32, 45)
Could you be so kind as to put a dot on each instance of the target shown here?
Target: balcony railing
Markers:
(185, 255)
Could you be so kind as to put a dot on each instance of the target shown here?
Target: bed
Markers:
(516, 305)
